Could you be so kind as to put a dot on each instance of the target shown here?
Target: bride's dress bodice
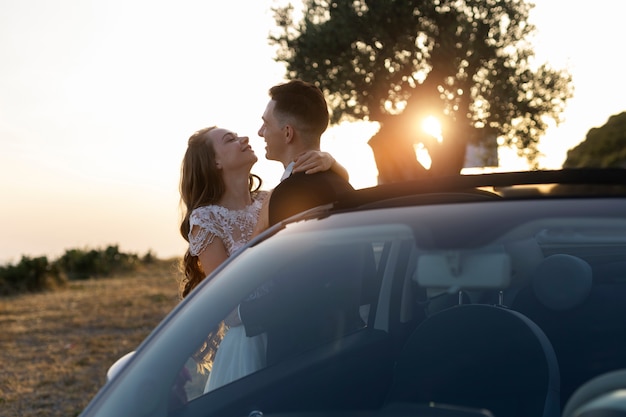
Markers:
(237, 355)
(233, 227)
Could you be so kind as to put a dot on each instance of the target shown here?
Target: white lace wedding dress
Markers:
(237, 354)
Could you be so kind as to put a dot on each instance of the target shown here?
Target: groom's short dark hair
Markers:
(303, 104)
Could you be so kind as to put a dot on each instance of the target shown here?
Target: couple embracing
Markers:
(225, 208)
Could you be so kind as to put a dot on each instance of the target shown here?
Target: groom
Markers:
(293, 122)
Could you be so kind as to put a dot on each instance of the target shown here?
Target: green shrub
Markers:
(37, 274)
(83, 264)
(30, 275)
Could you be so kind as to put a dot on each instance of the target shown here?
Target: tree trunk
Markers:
(395, 155)
(448, 157)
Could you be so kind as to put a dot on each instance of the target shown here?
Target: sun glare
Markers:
(432, 126)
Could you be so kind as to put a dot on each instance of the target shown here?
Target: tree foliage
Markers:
(604, 147)
(467, 62)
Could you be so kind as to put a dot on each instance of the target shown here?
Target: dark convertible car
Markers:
(480, 295)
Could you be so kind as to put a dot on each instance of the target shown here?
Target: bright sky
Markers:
(98, 98)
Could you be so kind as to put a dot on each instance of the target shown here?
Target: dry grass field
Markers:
(56, 347)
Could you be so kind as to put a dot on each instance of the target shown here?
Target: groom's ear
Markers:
(288, 133)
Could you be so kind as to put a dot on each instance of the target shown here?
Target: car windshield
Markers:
(351, 293)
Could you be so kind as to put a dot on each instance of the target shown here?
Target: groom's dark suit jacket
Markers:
(300, 192)
(294, 313)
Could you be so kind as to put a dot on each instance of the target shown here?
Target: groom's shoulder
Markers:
(326, 180)
(301, 192)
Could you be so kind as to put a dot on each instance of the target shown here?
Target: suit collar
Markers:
(288, 171)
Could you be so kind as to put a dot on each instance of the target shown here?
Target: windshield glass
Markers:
(332, 287)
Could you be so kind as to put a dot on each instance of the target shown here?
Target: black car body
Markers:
(494, 294)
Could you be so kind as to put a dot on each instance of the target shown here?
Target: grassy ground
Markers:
(56, 347)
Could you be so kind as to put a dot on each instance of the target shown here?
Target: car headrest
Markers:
(562, 281)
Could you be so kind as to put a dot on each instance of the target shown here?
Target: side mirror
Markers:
(118, 365)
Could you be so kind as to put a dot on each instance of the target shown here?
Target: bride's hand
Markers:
(312, 161)
(264, 217)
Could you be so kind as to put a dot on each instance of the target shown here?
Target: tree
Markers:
(467, 62)
(604, 147)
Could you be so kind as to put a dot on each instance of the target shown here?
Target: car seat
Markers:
(583, 319)
(480, 356)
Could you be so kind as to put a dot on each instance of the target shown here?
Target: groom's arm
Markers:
(260, 313)
(280, 305)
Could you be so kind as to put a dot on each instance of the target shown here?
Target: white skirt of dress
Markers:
(237, 356)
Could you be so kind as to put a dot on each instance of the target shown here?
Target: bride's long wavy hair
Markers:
(201, 184)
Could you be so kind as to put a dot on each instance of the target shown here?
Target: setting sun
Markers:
(432, 126)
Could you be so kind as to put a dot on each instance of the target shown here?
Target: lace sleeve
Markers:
(199, 241)
(202, 229)
(233, 227)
